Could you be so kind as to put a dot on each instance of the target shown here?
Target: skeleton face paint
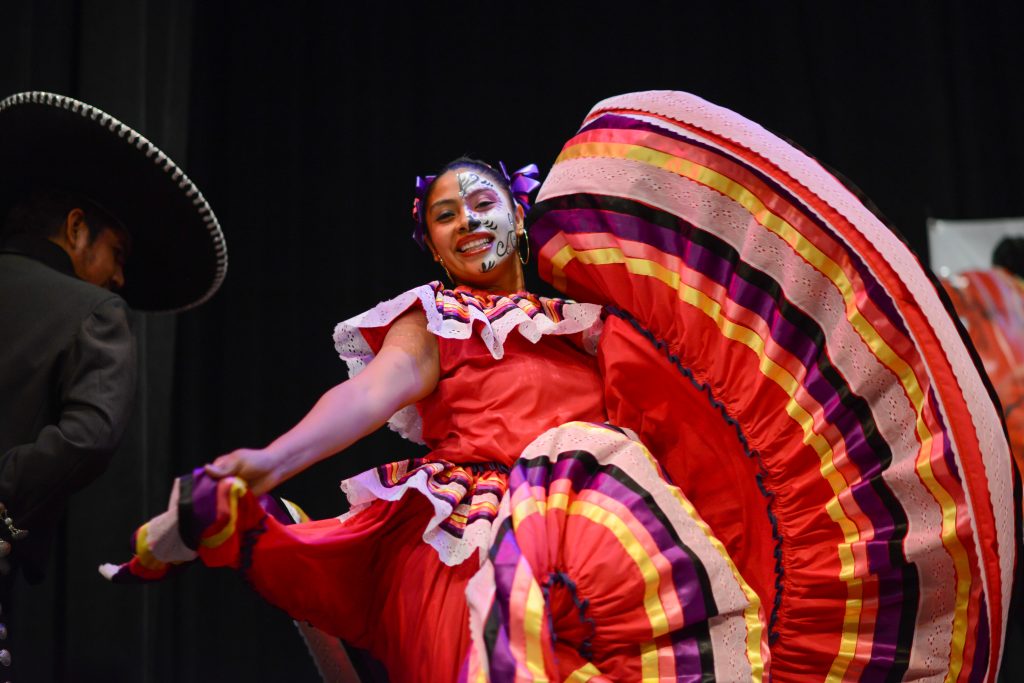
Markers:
(472, 227)
(490, 218)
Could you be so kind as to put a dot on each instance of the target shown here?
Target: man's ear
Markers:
(75, 230)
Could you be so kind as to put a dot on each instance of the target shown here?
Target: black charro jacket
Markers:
(67, 385)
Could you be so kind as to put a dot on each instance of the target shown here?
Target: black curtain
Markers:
(305, 123)
(130, 58)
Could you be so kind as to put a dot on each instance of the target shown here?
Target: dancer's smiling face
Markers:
(474, 227)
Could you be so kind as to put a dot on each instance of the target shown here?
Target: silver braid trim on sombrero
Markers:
(140, 142)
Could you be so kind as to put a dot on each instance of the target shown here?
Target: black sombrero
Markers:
(179, 257)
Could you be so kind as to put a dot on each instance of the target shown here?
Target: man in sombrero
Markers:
(94, 219)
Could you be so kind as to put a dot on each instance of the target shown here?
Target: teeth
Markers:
(473, 245)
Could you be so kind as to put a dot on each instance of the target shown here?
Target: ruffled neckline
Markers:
(489, 298)
(466, 304)
(461, 314)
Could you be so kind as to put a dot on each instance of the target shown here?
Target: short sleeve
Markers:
(458, 314)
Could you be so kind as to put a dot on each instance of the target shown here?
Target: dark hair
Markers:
(419, 212)
(42, 213)
(1009, 254)
(481, 166)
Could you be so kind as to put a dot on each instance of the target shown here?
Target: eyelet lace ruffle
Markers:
(455, 314)
(465, 500)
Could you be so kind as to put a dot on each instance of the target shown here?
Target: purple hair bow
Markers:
(521, 183)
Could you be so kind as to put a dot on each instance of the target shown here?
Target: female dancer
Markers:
(777, 348)
(499, 385)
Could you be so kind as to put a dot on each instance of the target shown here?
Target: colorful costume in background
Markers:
(800, 475)
(991, 306)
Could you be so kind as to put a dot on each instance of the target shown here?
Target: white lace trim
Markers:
(363, 489)
(692, 110)
(739, 619)
(353, 349)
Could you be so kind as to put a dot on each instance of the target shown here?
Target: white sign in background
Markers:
(958, 245)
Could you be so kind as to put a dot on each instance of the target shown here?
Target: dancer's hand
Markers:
(260, 468)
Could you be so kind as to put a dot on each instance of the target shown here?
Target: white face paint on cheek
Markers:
(498, 218)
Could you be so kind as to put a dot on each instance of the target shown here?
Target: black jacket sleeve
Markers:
(95, 390)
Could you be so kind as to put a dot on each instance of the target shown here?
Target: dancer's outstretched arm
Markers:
(406, 370)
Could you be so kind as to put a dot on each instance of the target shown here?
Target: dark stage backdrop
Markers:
(305, 123)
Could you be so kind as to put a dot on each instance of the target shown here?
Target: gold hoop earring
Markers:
(448, 275)
(524, 239)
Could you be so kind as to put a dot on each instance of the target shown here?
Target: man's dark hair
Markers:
(42, 213)
(1009, 254)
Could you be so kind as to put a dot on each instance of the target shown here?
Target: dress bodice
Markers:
(489, 410)
(512, 366)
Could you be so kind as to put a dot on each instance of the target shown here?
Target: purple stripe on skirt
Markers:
(688, 587)
(874, 289)
(804, 348)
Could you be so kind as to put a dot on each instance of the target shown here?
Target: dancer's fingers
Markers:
(224, 466)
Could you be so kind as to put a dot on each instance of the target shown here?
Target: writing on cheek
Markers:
(508, 245)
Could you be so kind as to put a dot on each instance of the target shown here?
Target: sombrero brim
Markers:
(179, 257)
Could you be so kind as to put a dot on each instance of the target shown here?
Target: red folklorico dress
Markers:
(534, 540)
(828, 490)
